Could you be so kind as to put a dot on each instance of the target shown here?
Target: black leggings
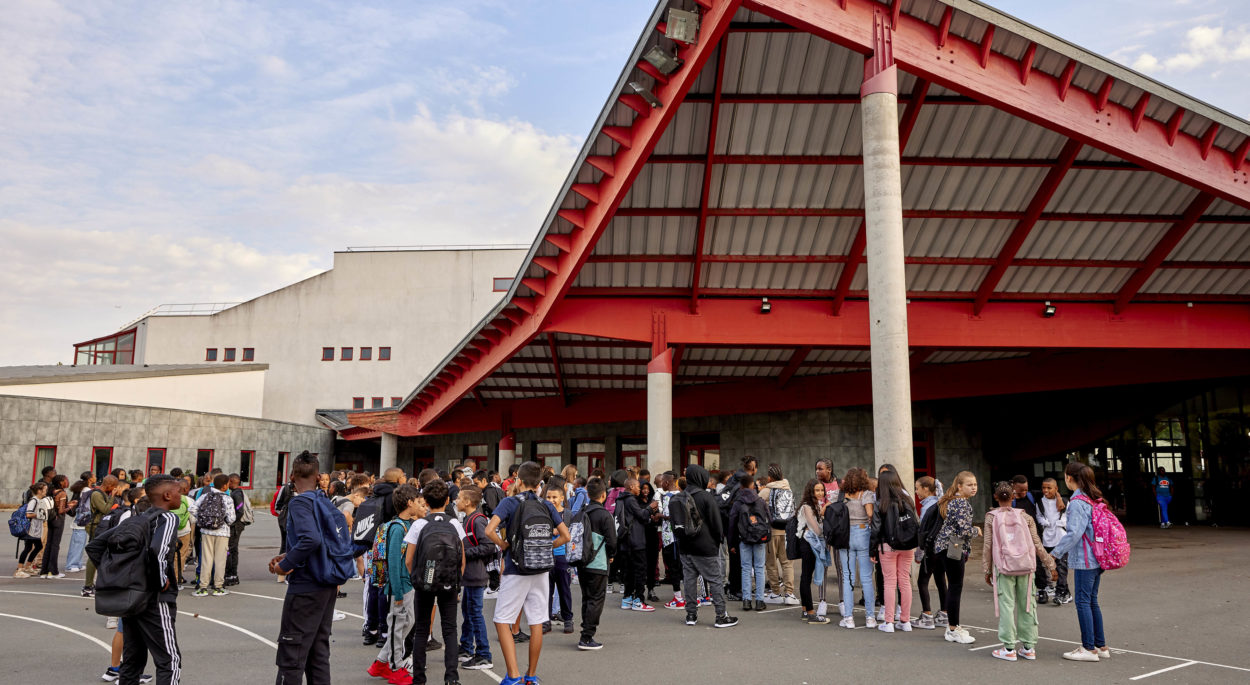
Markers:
(672, 566)
(805, 577)
(30, 550)
(635, 573)
(929, 568)
(55, 531)
(954, 585)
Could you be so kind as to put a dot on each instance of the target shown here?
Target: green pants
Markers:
(1017, 613)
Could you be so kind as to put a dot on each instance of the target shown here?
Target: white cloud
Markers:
(1203, 45)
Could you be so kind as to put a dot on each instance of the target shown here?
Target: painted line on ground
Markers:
(1164, 670)
(231, 626)
(769, 611)
(281, 599)
(83, 635)
(977, 649)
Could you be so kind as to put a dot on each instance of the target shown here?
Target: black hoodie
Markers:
(706, 543)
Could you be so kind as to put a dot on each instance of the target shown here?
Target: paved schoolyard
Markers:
(1176, 614)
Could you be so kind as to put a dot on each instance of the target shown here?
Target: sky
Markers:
(212, 151)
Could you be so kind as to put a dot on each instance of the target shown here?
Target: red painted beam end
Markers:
(551, 264)
(563, 241)
(1026, 63)
(1065, 80)
(1139, 111)
(538, 285)
(1104, 94)
(1208, 139)
(1174, 125)
(605, 164)
(987, 43)
(621, 134)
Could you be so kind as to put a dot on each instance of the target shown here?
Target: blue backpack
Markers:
(334, 562)
(19, 525)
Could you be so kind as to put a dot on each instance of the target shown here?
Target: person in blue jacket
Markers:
(1163, 495)
(1078, 546)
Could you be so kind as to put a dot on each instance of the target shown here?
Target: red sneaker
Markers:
(380, 669)
(675, 604)
(400, 677)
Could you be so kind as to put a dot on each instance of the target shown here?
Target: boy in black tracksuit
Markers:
(700, 552)
(634, 518)
(593, 574)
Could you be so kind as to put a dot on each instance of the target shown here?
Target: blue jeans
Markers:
(473, 637)
(752, 556)
(1164, 501)
(1088, 613)
(77, 542)
(855, 563)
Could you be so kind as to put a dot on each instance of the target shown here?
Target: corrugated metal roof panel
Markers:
(960, 356)
(1203, 281)
(634, 275)
(1120, 192)
(969, 188)
(1214, 242)
(856, 356)
(780, 235)
(640, 235)
(1091, 240)
(788, 185)
(749, 128)
(1035, 279)
(979, 131)
(954, 238)
(769, 276)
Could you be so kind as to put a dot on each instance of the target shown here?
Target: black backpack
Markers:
(211, 512)
(365, 524)
(897, 527)
(837, 525)
(686, 516)
(792, 539)
(930, 526)
(753, 523)
(530, 535)
(124, 581)
(436, 566)
(111, 519)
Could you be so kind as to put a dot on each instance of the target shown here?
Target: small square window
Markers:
(327, 354)
(377, 403)
(384, 354)
(396, 400)
(345, 354)
(502, 285)
(228, 354)
(210, 355)
(358, 403)
(366, 353)
(249, 354)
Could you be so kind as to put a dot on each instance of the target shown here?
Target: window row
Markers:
(102, 463)
(346, 354)
(374, 403)
(228, 354)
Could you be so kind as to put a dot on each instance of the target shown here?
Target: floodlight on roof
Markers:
(663, 61)
(645, 94)
(682, 26)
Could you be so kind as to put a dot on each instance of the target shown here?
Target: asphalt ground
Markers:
(1176, 614)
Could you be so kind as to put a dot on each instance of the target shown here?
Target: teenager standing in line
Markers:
(1076, 545)
(953, 546)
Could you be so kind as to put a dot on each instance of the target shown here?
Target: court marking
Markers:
(81, 634)
(231, 626)
(281, 599)
(977, 649)
(1164, 670)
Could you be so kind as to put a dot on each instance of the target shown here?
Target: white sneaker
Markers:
(1004, 653)
(898, 614)
(1103, 653)
(1027, 654)
(880, 613)
(904, 626)
(959, 635)
(822, 609)
(886, 627)
(1080, 654)
(110, 623)
(848, 622)
(339, 616)
(926, 622)
(870, 622)
(772, 597)
(791, 600)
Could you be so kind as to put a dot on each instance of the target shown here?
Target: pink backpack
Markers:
(1013, 551)
(1110, 543)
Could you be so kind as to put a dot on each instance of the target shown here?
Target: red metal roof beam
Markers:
(697, 271)
(555, 363)
(792, 366)
(1162, 249)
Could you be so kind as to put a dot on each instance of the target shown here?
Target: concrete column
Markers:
(660, 413)
(388, 456)
(507, 453)
(887, 279)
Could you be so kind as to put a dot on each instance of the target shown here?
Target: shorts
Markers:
(530, 592)
(119, 625)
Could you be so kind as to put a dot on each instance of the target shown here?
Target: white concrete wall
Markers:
(237, 394)
(418, 303)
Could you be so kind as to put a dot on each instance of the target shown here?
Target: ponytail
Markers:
(1084, 477)
(960, 478)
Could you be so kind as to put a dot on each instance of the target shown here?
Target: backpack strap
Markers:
(468, 526)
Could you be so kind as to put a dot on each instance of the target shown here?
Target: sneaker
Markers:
(546, 627)
(1063, 599)
(639, 605)
(1103, 653)
(1027, 653)
(338, 615)
(747, 605)
(370, 639)
(822, 608)
(110, 623)
(478, 663)
(588, 644)
(772, 597)
(464, 655)
(220, 592)
(886, 627)
(379, 669)
(904, 626)
(1081, 654)
(942, 619)
(201, 592)
(110, 675)
(627, 604)
(870, 622)
(568, 627)
(791, 600)
(453, 681)
(692, 619)
(817, 620)
(1004, 653)
(146, 678)
(234, 580)
(433, 645)
(490, 594)
(706, 601)
(732, 597)
(58, 576)
(760, 605)
(725, 621)
(848, 622)
(521, 637)
(1042, 598)
(880, 614)
(926, 622)
(400, 677)
(675, 604)
(959, 635)
(611, 590)
(511, 681)
(530, 680)
(651, 596)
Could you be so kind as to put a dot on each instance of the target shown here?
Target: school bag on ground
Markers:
(211, 514)
(781, 504)
(686, 517)
(82, 514)
(1110, 543)
(436, 566)
(377, 566)
(754, 524)
(530, 537)
(125, 575)
(837, 524)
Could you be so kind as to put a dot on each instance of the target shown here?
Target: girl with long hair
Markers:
(1087, 572)
(855, 561)
(812, 547)
(953, 545)
(893, 506)
(59, 496)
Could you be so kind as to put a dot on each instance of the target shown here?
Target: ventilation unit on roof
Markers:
(663, 61)
(645, 94)
(682, 26)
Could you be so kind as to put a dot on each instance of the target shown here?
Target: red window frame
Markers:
(228, 354)
(34, 471)
(210, 354)
(247, 457)
(147, 459)
(327, 354)
(211, 454)
(249, 354)
(396, 400)
(345, 353)
(376, 403)
(495, 284)
(108, 468)
(284, 459)
(358, 403)
(97, 355)
(366, 354)
(384, 354)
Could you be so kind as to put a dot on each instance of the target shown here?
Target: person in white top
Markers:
(214, 526)
(1052, 518)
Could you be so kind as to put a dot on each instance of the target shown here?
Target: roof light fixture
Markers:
(682, 26)
(1048, 310)
(663, 61)
(646, 94)
(766, 307)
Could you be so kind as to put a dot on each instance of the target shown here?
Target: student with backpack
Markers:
(1079, 547)
(592, 546)
(561, 601)
(478, 551)
(80, 499)
(930, 524)
(697, 525)
(28, 528)
(781, 506)
(953, 545)
(370, 514)
(854, 560)
(749, 532)
(318, 561)
(528, 559)
(214, 514)
(895, 536)
(813, 552)
(1052, 516)
(100, 503)
(436, 561)
(668, 542)
(394, 660)
(632, 518)
(1009, 554)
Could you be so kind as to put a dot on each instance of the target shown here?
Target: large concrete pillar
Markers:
(887, 278)
(389, 454)
(660, 413)
(507, 453)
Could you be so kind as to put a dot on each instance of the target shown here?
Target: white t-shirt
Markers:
(414, 533)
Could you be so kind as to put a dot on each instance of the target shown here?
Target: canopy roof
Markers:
(1033, 171)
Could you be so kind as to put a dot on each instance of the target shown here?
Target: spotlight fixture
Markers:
(1048, 310)
(645, 94)
(682, 26)
(766, 307)
(663, 61)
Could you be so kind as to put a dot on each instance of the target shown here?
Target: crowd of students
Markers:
(438, 545)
